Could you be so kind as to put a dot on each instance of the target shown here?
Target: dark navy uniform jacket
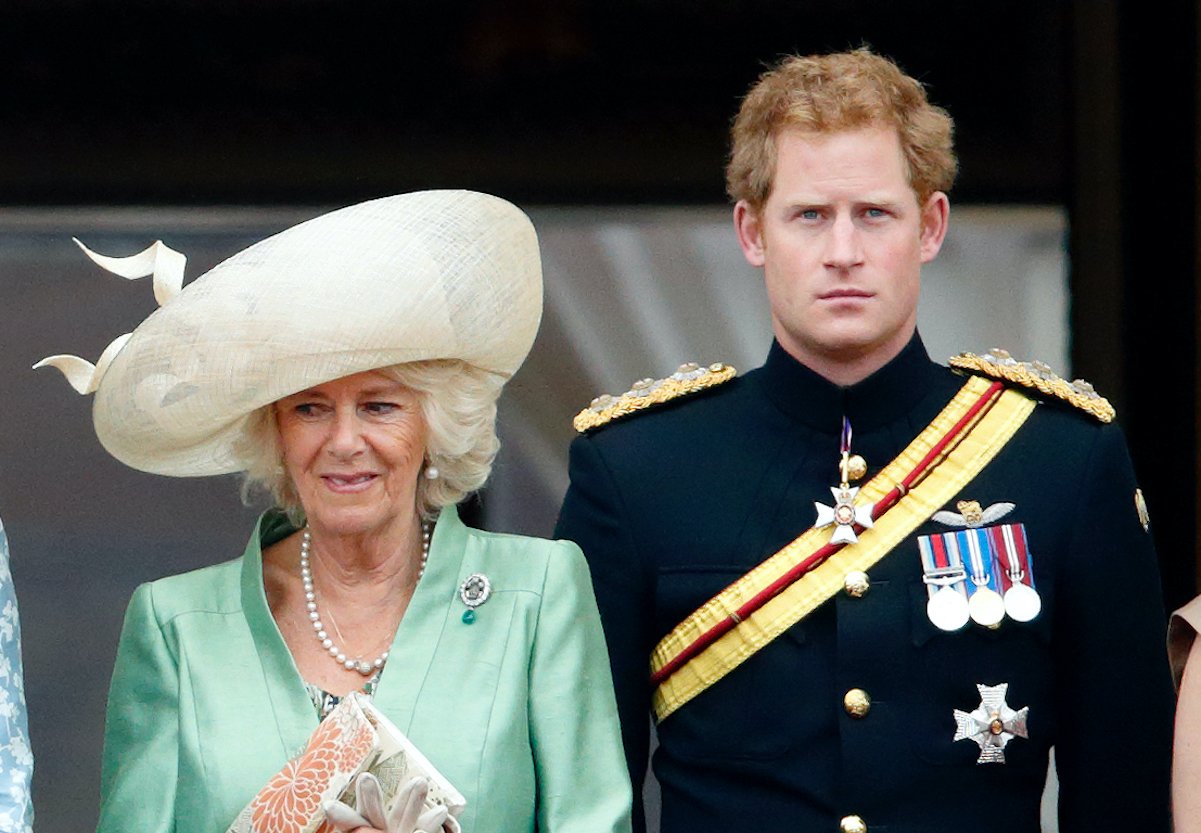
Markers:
(673, 504)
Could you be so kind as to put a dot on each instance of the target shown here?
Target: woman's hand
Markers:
(408, 810)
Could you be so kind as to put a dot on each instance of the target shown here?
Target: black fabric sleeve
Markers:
(1113, 749)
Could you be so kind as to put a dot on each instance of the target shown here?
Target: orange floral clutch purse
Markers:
(355, 737)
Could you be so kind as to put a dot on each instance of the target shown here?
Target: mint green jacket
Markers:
(516, 708)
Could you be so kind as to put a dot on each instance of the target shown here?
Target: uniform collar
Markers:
(886, 395)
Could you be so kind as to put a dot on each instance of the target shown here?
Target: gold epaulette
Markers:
(689, 378)
(998, 364)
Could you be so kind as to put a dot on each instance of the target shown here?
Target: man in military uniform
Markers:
(859, 590)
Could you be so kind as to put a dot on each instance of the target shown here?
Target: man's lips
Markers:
(348, 483)
(840, 294)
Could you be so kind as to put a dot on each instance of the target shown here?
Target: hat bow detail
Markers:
(159, 260)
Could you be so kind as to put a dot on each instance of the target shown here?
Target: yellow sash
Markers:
(971, 453)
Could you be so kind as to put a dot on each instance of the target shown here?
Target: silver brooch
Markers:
(474, 591)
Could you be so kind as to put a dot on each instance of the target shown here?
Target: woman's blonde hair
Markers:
(458, 401)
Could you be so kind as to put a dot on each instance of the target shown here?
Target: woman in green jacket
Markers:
(351, 365)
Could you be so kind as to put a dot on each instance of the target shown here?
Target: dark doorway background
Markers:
(563, 101)
(1090, 104)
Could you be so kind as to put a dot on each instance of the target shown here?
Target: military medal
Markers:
(999, 558)
(992, 724)
(947, 609)
(844, 514)
(1022, 602)
(944, 576)
(986, 606)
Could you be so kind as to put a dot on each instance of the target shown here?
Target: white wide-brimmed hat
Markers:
(427, 275)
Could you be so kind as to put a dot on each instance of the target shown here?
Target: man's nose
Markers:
(844, 245)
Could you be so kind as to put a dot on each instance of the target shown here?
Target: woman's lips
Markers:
(348, 483)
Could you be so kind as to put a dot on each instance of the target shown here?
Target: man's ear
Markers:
(750, 233)
(936, 214)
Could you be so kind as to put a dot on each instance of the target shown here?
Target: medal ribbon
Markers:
(982, 573)
(1010, 545)
(941, 557)
(844, 450)
(787, 586)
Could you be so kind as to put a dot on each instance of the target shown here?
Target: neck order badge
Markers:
(786, 587)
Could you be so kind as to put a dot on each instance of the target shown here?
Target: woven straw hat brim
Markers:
(427, 275)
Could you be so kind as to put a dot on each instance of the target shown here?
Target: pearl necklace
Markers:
(310, 598)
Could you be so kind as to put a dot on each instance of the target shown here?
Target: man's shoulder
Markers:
(693, 398)
(690, 383)
(1037, 380)
(1071, 424)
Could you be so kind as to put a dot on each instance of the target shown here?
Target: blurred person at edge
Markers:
(16, 756)
(981, 588)
(1184, 649)
(352, 365)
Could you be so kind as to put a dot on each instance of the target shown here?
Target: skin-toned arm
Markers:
(1186, 754)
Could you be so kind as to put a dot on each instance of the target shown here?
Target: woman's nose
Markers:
(346, 436)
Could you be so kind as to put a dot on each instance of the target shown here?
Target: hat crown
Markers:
(425, 275)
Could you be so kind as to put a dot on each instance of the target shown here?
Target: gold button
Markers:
(857, 702)
(856, 467)
(852, 824)
(856, 584)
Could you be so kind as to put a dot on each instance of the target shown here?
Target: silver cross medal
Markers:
(992, 725)
(844, 514)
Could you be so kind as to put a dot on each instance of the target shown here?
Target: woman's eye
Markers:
(309, 410)
(380, 408)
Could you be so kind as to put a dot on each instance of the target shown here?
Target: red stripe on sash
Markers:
(932, 458)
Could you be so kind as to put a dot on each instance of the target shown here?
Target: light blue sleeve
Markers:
(16, 756)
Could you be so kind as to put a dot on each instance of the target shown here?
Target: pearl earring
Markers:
(432, 473)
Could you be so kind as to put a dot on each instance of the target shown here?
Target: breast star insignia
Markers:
(992, 724)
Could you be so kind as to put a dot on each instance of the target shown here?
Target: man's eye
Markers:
(876, 212)
(810, 214)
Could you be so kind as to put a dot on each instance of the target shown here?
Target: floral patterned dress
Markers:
(16, 757)
(324, 702)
